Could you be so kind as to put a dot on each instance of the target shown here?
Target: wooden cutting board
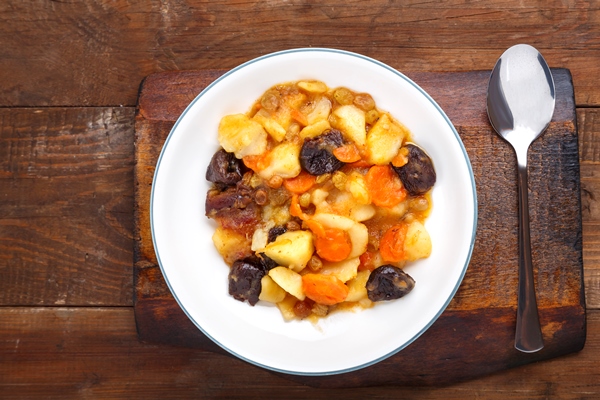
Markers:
(475, 335)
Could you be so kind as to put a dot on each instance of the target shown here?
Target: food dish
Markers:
(181, 233)
(314, 191)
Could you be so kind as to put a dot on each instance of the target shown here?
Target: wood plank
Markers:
(59, 352)
(484, 306)
(66, 206)
(588, 121)
(107, 48)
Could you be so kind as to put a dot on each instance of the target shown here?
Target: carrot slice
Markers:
(384, 186)
(299, 117)
(366, 261)
(296, 210)
(334, 246)
(301, 183)
(324, 289)
(257, 163)
(316, 227)
(391, 245)
(347, 153)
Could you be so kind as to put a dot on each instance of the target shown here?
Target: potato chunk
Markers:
(351, 121)
(384, 140)
(285, 162)
(357, 286)
(343, 270)
(271, 126)
(270, 291)
(231, 245)
(417, 243)
(313, 86)
(289, 281)
(242, 136)
(292, 249)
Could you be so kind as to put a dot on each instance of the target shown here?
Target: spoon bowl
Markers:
(520, 105)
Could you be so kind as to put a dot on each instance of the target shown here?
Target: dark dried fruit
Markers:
(244, 279)
(388, 283)
(267, 262)
(225, 168)
(316, 156)
(418, 174)
(274, 232)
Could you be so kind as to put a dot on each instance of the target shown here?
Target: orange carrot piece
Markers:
(299, 117)
(257, 163)
(391, 245)
(384, 186)
(334, 246)
(324, 289)
(360, 164)
(316, 227)
(347, 153)
(301, 183)
(296, 210)
(366, 261)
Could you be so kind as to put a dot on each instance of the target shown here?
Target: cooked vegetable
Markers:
(333, 245)
(291, 249)
(301, 183)
(324, 289)
(418, 174)
(388, 283)
(417, 243)
(240, 135)
(288, 280)
(391, 245)
(385, 187)
(270, 291)
(384, 140)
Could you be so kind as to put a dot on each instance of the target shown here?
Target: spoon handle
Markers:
(528, 337)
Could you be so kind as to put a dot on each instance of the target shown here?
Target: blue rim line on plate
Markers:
(475, 205)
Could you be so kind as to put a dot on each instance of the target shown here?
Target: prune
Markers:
(274, 232)
(418, 174)
(316, 155)
(225, 168)
(388, 283)
(244, 279)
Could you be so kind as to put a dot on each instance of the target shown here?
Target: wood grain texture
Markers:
(70, 353)
(57, 205)
(481, 317)
(107, 48)
(66, 206)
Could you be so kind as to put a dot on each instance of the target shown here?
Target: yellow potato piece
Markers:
(357, 286)
(418, 242)
(289, 281)
(313, 86)
(384, 140)
(292, 249)
(270, 291)
(351, 121)
(343, 270)
(285, 162)
(242, 136)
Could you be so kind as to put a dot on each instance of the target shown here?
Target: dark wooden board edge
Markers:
(160, 320)
(442, 355)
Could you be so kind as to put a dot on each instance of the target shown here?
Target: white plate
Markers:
(197, 276)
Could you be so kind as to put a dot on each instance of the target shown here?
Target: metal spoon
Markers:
(520, 104)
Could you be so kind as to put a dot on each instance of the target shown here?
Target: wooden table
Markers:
(69, 79)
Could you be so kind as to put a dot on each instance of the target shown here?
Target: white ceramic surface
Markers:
(197, 275)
